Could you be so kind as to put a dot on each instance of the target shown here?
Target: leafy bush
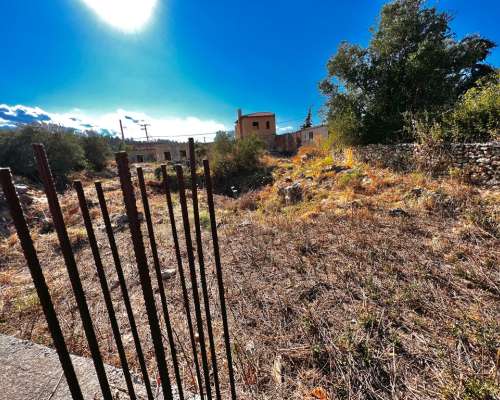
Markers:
(97, 150)
(476, 116)
(63, 149)
(238, 164)
(412, 64)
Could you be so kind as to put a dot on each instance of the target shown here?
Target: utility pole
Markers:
(144, 127)
(123, 135)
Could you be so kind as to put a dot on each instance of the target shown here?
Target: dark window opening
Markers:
(140, 158)
(311, 135)
(183, 154)
(168, 156)
(268, 125)
(255, 124)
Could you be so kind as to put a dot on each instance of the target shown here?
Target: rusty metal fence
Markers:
(208, 376)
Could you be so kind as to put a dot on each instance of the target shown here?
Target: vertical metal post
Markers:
(39, 280)
(182, 277)
(142, 264)
(104, 286)
(74, 276)
(161, 288)
(220, 280)
(194, 281)
(123, 287)
(201, 262)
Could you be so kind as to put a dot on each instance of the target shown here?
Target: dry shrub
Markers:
(308, 153)
(248, 201)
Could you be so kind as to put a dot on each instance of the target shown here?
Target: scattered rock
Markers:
(21, 189)
(291, 194)
(398, 212)
(168, 273)
(121, 221)
(334, 168)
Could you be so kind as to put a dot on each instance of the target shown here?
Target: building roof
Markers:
(259, 114)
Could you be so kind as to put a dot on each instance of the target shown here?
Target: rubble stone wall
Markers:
(477, 162)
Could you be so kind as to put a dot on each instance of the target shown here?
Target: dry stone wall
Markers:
(477, 162)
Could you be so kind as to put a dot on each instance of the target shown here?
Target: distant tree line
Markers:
(414, 73)
(67, 150)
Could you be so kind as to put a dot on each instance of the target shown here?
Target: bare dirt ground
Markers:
(372, 285)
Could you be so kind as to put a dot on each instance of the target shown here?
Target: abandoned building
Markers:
(263, 125)
(140, 152)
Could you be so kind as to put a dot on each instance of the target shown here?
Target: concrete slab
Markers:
(30, 371)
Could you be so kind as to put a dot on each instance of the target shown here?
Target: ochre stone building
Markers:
(263, 125)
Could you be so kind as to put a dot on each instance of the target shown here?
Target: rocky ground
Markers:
(343, 282)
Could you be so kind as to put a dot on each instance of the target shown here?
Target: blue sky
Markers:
(192, 61)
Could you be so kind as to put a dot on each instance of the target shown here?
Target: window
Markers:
(255, 124)
(311, 135)
(140, 158)
(183, 154)
(268, 125)
(168, 156)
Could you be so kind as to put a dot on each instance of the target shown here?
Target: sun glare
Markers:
(126, 15)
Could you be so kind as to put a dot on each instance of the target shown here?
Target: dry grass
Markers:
(336, 297)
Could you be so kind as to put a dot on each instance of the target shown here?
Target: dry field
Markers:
(376, 285)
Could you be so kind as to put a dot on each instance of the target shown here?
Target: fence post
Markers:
(201, 263)
(161, 288)
(194, 280)
(104, 286)
(69, 258)
(42, 290)
(182, 277)
(123, 287)
(142, 265)
(220, 279)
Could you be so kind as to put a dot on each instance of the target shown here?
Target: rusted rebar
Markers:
(220, 278)
(104, 286)
(142, 265)
(42, 290)
(74, 276)
(159, 279)
(201, 263)
(182, 277)
(123, 288)
(194, 280)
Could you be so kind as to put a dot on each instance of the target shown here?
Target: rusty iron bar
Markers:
(142, 265)
(194, 280)
(201, 263)
(123, 287)
(182, 277)
(69, 258)
(220, 280)
(161, 288)
(41, 287)
(104, 286)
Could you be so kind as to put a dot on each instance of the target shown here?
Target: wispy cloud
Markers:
(165, 126)
(284, 129)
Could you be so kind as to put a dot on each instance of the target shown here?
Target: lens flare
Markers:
(125, 15)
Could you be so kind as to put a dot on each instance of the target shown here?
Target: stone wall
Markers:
(477, 162)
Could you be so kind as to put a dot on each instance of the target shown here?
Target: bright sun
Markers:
(126, 15)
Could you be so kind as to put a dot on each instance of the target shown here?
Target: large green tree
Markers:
(412, 64)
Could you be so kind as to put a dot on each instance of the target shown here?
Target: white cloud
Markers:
(284, 129)
(168, 127)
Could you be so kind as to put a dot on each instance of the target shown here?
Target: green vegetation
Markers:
(66, 150)
(412, 65)
(237, 164)
(97, 150)
(308, 121)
